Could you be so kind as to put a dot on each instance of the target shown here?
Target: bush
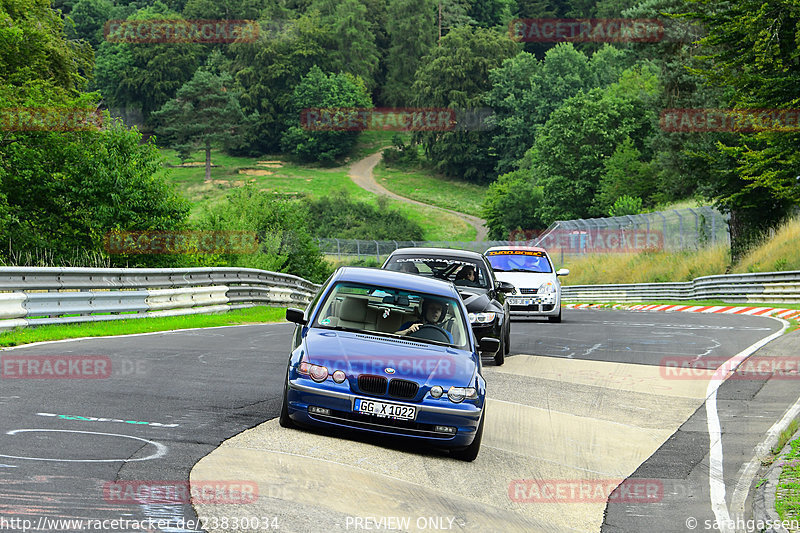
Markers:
(342, 217)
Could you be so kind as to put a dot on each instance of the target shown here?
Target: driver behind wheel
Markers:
(433, 313)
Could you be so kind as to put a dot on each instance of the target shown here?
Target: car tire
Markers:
(556, 318)
(284, 420)
(507, 343)
(471, 452)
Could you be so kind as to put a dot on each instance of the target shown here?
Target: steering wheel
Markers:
(431, 332)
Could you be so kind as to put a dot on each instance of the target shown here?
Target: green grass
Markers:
(424, 186)
(251, 315)
(370, 142)
(286, 178)
(787, 494)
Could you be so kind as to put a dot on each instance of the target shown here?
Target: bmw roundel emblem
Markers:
(389, 370)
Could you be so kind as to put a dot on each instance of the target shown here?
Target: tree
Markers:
(323, 91)
(356, 51)
(66, 191)
(455, 75)
(33, 47)
(625, 205)
(203, 114)
(625, 174)
(412, 34)
(488, 13)
(268, 70)
(512, 203)
(567, 159)
(751, 50)
(525, 91)
(281, 226)
(89, 17)
(145, 75)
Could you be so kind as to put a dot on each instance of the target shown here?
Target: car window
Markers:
(381, 310)
(447, 268)
(519, 261)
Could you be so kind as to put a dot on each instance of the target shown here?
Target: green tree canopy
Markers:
(318, 90)
(455, 75)
(204, 114)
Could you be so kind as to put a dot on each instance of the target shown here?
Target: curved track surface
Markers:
(585, 403)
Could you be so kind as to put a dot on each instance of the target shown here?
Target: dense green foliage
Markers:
(573, 129)
(342, 217)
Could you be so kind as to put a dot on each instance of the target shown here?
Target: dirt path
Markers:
(361, 174)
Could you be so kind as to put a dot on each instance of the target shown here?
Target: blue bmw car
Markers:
(389, 353)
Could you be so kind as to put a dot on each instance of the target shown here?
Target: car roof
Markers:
(515, 247)
(443, 252)
(396, 280)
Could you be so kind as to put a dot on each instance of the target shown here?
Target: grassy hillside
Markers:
(426, 187)
(780, 252)
(274, 175)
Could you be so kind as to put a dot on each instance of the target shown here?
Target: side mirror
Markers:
(297, 316)
(489, 345)
(506, 287)
(563, 272)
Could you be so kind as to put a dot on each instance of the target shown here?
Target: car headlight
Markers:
(316, 372)
(547, 288)
(458, 394)
(481, 318)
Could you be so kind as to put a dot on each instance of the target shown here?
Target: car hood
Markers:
(526, 280)
(477, 300)
(362, 353)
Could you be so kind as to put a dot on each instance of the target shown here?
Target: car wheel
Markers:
(471, 452)
(556, 318)
(284, 419)
(507, 344)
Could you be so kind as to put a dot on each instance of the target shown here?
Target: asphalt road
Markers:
(172, 398)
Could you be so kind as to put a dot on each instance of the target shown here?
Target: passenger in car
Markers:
(433, 313)
(466, 276)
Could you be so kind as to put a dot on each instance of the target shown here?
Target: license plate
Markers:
(383, 409)
(522, 301)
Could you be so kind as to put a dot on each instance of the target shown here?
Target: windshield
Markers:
(519, 261)
(388, 311)
(462, 272)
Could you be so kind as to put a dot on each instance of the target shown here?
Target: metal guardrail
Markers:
(33, 296)
(767, 287)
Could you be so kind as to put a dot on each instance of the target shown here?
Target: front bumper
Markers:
(535, 304)
(464, 416)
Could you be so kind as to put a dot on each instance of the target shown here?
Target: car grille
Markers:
(528, 291)
(400, 388)
(372, 384)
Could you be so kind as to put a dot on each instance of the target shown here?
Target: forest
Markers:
(571, 127)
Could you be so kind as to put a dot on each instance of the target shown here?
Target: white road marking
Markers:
(716, 480)
(161, 450)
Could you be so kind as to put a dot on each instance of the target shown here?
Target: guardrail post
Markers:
(377, 252)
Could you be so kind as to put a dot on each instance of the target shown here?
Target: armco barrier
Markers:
(40, 296)
(766, 287)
